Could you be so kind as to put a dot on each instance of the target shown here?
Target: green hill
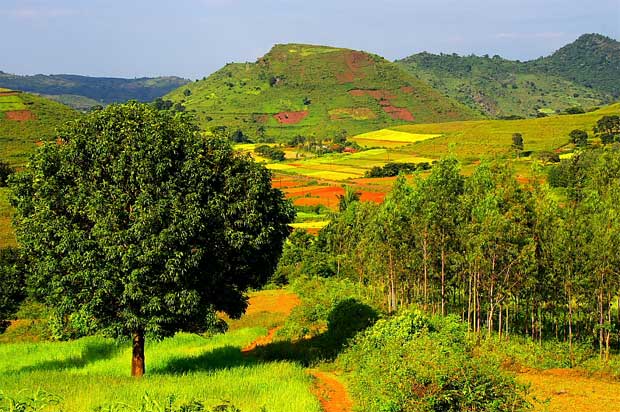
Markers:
(81, 91)
(26, 119)
(314, 91)
(592, 61)
(581, 74)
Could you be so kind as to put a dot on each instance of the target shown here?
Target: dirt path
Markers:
(562, 390)
(331, 393)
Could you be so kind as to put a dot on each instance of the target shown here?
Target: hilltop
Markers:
(83, 92)
(315, 91)
(581, 74)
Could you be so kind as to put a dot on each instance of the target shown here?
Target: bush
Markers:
(6, 170)
(414, 363)
(269, 152)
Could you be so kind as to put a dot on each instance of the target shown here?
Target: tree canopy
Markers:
(135, 225)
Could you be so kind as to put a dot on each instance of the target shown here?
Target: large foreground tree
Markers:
(135, 225)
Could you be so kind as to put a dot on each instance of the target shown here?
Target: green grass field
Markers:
(92, 372)
(10, 103)
(390, 137)
(477, 139)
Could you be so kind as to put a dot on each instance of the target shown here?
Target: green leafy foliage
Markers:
(413, 362)
(581, 74)
(12, 285)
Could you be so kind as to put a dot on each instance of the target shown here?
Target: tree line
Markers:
(507, 257)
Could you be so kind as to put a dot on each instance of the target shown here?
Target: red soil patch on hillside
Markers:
(19, 115)
(9, 93)
(407, 89)
(384, 97)
(398, 113)
(331, 393)
(355, 62)
(290, 117)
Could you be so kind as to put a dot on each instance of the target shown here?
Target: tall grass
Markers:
(94, 371)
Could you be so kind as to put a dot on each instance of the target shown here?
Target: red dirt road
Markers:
(331, 393)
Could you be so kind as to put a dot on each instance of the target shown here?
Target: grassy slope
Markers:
(18, 138)
(240, 95)
(94, 371)
(18, 141)
(583, 73)
(471, 140)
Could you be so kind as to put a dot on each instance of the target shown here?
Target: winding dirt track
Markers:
(330, 392)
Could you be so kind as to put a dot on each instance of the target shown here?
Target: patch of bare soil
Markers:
(19, 115)
(291, 117)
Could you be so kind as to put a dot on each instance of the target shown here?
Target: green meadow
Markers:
(94, 372)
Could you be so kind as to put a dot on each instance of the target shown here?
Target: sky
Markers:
(193, 38)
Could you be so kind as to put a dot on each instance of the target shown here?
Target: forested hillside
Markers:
(582, 74)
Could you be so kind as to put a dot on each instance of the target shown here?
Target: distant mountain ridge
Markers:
(79, 91)
(314, 91)
(584, 73)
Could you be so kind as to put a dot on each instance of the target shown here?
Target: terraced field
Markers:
(390, 138)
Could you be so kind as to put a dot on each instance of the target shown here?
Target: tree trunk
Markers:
(137, 360)
(443, 281)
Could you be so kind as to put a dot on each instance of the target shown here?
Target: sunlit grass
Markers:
(94, 371)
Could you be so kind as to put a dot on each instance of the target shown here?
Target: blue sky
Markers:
(193, 38)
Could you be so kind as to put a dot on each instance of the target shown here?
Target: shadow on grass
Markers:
(220, 358)
(92, 352)
(345, 320)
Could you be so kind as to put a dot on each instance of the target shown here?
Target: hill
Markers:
(592, 61)
(314, 91)
(81, 91)
(579, 74)
(26, 119)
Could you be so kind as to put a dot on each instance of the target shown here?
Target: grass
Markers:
(10, 103)
(311, 225)
(7, 236)
(392, 136)
(345, 166)
(477, 139)
(93, 371)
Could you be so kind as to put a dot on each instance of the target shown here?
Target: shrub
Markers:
(6, 170)
(416, 363)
